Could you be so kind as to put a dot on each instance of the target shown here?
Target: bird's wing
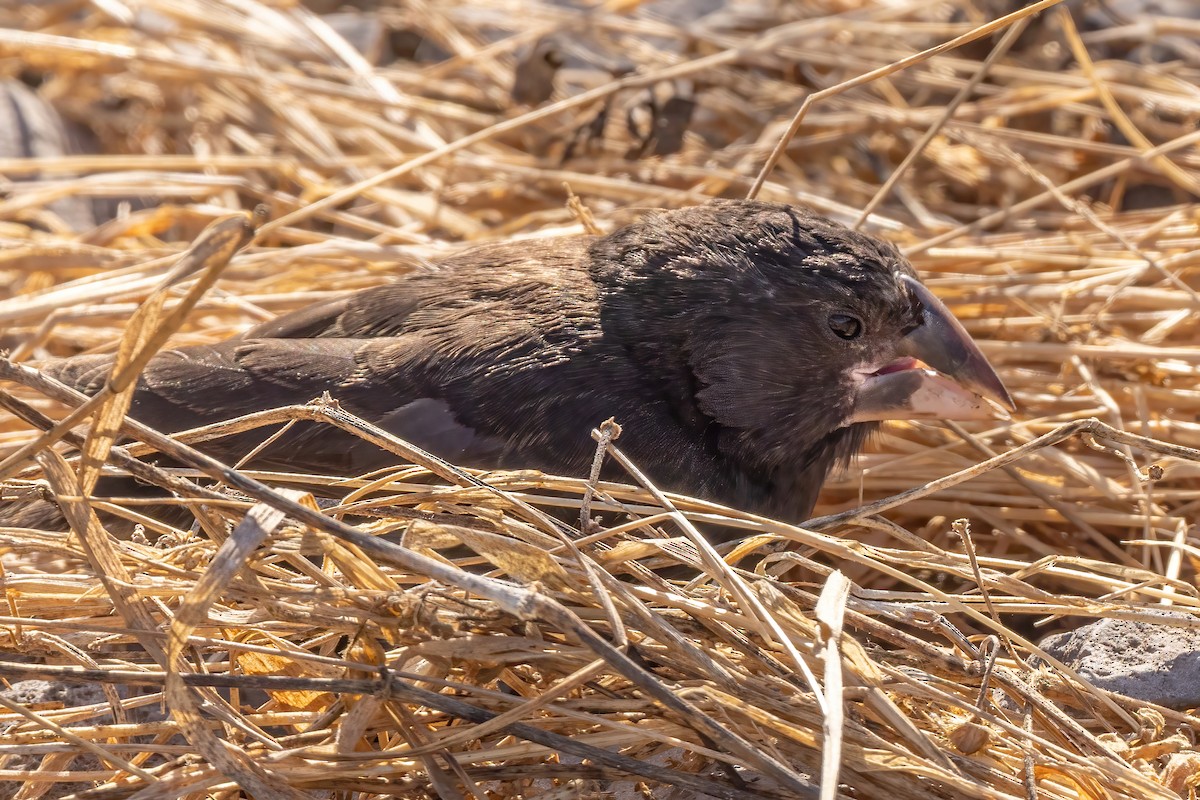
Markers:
(492, 278)
(194, 386)
(499, 360)
(378, 311)
(310, 321)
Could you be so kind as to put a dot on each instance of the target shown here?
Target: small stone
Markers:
(1144, 660)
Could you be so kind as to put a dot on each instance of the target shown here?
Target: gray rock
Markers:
(35, 693)
(31, 128)
(1143, 660)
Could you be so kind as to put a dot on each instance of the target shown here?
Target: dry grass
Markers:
(302, 654)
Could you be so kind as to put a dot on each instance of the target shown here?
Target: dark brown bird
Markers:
(746, 348)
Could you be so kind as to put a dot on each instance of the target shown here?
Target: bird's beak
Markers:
(939, 374)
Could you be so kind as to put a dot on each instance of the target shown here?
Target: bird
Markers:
(746, 349)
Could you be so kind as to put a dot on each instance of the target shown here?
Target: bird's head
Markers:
(795, 334)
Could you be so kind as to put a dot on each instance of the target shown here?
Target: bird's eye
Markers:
(845, 326)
